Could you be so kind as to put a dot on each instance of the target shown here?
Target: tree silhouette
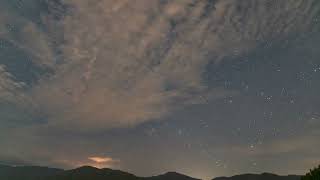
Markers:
(314, 174)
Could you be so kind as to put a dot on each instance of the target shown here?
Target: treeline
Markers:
(314, 174)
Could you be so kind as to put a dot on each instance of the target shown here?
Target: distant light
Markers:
(101, 159)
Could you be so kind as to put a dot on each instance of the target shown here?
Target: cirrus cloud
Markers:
(121, 62)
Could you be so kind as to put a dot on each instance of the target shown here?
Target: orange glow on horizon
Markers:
(101, 159)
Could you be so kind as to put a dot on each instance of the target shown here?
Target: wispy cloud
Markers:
(125, 62)
(104, 161)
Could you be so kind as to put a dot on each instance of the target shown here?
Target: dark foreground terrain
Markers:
(82, 173)
(91, 173)
(264, 176)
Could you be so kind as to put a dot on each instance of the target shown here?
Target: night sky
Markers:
(201, 87)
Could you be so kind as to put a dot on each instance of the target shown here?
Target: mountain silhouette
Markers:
(26, 172)
(92, 173)
(81, 173)
(264, 176)
(171, 176)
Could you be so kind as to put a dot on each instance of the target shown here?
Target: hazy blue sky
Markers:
(202, 87)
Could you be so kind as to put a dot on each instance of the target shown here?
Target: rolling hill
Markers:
(82, 173)
(92, 173)
(264, 176)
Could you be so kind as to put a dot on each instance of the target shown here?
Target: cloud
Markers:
(8, 87)
(120, 63)
(100, 159)
(98, 162)
(104, 161)
(26, 35)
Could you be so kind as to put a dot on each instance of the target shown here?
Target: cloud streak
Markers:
(122, 63)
